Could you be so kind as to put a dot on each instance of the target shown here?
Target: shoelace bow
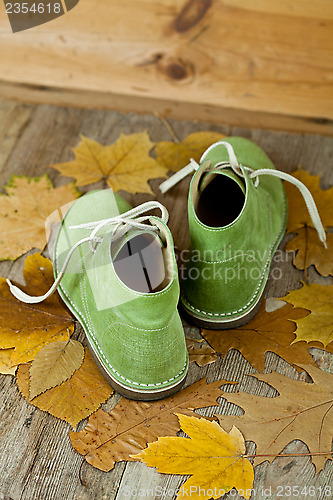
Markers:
(253, 174)
(120, 223)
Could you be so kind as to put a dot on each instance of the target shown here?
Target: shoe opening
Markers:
(220, 201)
(142, 263)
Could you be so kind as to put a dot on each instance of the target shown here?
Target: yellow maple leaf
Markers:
(25, 208)
(212, 456)
(173, 155)
(123, 165)
(310, 250)
(5, 362)
(29, 327)
(319, 324)
(76, 398)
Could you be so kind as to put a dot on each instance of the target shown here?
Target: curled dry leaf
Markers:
(124, 165)
(76, 398)
(267, 331)
(174, 156)
(200, 352)
(111, 437)
(301, 411)
(212, 456)
(310, 250)
(25, 208)
(29, 327)
(54, 364)
(319, 324)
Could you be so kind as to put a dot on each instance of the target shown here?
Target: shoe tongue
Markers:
(227, 172)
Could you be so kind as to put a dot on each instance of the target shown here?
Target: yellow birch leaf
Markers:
(174, 156)
(54, 364)
(5, 362)
(29, 327)
(319, 324)
(76, 398)
(124, 165)
(25, 208)
(301, 411)
(212, 456)
(310, 249)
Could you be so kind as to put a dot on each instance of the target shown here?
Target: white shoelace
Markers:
(133, 218)
(253, 174)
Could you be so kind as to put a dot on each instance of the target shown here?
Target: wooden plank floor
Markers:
(258, 63)
(37, 460)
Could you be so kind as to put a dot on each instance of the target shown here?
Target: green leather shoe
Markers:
(115, 270)
(237, 213)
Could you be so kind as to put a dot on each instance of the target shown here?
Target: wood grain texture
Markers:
(234, 61)
(36, 457)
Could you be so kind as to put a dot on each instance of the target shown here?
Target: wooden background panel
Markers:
(260, 57)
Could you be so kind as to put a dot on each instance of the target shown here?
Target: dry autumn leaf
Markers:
(54, 364)
(5, 362)
(112, 437)
(306, 242)
(301, 411)
(319, 324)
(29, 327)
(76, 398)
(123, 165)
(212, 456)
(173, 155)
(267, 331)
(200, 352)
(25, 208)
(311, 251)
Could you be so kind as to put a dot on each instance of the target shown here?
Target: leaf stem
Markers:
(167, 126)
(289, 454)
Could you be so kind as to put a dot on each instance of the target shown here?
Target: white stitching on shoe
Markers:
(262, 277)
(227, 260)
(88, 321)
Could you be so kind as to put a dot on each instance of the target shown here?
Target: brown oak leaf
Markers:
(267, 331)
(301, 411)
(112, 437)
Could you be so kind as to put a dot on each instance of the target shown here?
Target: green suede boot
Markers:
(115, 270)
(237, 213)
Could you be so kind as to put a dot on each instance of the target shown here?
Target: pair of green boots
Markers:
(122, 282)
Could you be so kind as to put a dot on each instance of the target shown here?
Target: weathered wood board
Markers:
(37, 461)
(259, 63)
